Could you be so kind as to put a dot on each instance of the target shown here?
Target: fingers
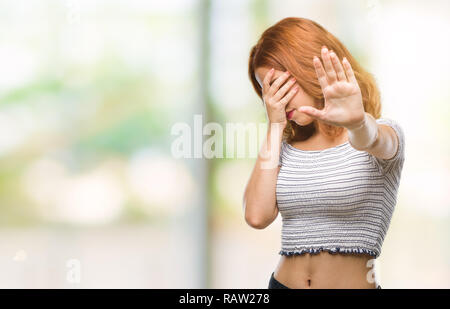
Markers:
(320, 72)
(312, 112)
(282, 91)
(349, 71)
(277, 83)
(289, 96)
(338, 67)
(267, 80)
(331, 74)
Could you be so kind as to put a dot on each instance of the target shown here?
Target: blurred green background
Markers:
(89, 92)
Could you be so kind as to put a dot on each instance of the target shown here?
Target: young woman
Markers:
(329, 164)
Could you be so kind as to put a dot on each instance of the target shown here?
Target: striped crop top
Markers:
(338, 199)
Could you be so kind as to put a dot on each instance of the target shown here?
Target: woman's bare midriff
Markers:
(325, 271)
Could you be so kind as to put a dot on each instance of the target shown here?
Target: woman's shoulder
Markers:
(399, 157)
(398, 129)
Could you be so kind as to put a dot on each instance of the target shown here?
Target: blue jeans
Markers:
(275, 284)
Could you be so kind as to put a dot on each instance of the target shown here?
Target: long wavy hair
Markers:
(290, 45)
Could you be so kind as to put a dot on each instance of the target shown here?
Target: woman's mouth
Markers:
(290, 114)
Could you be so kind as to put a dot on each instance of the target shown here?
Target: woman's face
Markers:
(299, 99)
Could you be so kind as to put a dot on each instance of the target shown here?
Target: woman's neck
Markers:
(320, 139)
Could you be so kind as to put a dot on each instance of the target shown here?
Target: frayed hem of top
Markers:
(330, 250)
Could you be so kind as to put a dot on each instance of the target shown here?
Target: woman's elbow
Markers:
(256, 221)
(250, 218)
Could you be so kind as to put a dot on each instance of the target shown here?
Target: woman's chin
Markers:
(302, 120)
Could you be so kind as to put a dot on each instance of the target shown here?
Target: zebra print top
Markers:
(338, 199)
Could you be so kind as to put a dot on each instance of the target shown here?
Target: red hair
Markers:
(290, 45)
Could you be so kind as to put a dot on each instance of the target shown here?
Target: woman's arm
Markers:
(260, 204)
(344, 107)
(377, 139)
(259, 201)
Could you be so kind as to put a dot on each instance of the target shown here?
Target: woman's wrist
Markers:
(270, 150)
(276, 127)
(363, 135)
(359, 124)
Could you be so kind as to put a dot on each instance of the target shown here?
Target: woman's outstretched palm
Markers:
(343, 104)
